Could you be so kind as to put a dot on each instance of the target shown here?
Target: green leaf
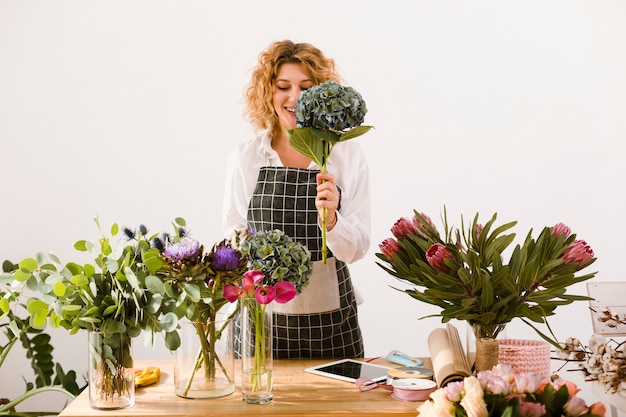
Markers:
(81, 245)
(193, 292)
(59, 289)
(169, 321)
(28, 264)
(354, 132)
(154, 285)
(312, 142)
(172, 340)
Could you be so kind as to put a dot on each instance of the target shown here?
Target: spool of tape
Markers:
(409, 373)
(412, 389)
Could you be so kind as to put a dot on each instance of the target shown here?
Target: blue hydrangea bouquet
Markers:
(327, 114)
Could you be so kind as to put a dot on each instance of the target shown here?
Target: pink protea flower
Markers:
(578, 252)
(285, 291)
(561, 229)
(436, 256)
(478, 229)
(404, 227)
(388, 247)
(420, 227)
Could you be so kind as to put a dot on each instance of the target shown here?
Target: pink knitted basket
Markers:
(526, 356)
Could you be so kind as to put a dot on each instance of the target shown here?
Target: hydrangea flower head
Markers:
(330, 106)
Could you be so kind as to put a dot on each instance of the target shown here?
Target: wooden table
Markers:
(296, 393)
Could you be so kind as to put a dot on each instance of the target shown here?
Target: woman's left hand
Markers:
(327, 198)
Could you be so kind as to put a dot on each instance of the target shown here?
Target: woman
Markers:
(270, 185)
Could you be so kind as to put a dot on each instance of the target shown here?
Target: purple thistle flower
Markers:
(225, 259)
(186, 248)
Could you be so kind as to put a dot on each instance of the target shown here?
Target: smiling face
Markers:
(291, 80)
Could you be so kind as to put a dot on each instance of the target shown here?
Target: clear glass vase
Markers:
(110, 371)
(256, 351)
(204, 365)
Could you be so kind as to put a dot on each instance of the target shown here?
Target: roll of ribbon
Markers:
(412, 389)
(401, 389)
(412, 372)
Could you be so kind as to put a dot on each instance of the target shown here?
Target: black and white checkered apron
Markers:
(284, 198)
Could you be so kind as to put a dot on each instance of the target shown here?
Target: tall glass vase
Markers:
(204, 365)
(256, 351)
(110, 371)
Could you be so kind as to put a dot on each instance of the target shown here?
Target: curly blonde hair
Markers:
(259, 93)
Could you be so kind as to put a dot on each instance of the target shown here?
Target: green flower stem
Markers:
(6, 407)
(326, 152)
(208, 335)
(257, 311)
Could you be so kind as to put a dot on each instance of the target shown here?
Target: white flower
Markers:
(473, 401)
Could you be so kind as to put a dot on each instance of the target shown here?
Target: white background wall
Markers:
(127, 110)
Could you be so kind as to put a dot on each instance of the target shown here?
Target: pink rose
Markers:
(561, 229)
(528, 382)
(578, 252)
(436, 255)
(454, 390)
(531, 409)
(403, 227)
(388, 247)
(598, 409)
(576, 407)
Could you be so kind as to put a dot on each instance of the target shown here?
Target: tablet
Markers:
(349, 370)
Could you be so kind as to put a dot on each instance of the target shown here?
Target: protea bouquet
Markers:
(326, 114)
(501, 392)
(195, 281)
(464, 271)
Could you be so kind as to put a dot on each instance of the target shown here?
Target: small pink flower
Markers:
(232, 292)
(531, 409)
(285, 291)
(388, 247)
(403, 227)
(598, 409)
(572, 389)
(436, 256)
(454, 390)
(478, 229)
(528, 382)
(499, 385)
(576, 407)
(250, 280)
(578, 252)
(420, 227)
(265, 294)
(561, 229)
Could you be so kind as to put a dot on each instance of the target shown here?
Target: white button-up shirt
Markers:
(350, 238)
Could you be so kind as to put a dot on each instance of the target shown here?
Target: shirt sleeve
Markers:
(240, 180)
(350, 238)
